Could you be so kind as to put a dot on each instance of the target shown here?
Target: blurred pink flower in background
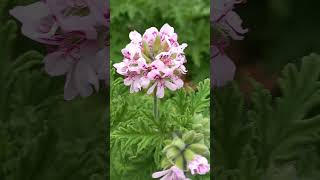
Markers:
(75, 31)
(227, 25)
(154, 60)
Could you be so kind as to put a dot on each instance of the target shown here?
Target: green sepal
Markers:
(157, 45)
(200, 149)
(188, 155)
(180, 162)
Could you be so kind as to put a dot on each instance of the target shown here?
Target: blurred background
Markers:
(280, 31)
(251, 139)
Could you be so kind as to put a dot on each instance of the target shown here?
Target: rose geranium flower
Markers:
(153, 61)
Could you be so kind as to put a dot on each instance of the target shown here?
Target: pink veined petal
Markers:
(183, 69)
(160, 91)
(57, 64)
(76, 23)
(150, 35)
(235, 21)
(92, 75)
(70, 90)
(166, 28)
(135, 37)
(136, 85)
(30, 13)
(37, 21)
(223, 70)
(85, 78)
(152, 74)
(199, 165)
(142, 64)
(170, 85)
(192, 171)
(151, 89)
(169, 176)
(134, 68)
(144, 82)
(160, 173)
(127, 81)
(158, 64)
(132, 89)
(121, 68)
(167, 72)
(178, 82)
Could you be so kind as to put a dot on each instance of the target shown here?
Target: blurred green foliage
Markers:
(280, 31)
(190, 18)
(269, 137)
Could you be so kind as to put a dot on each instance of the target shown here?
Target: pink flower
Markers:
(225, 18)
(69, 29)
(38, 23)
(199, 165)
(223, 69)
(174, 173)
(167, 34)
(150, 35)
(227, 25)
(163, 78)
(159, 64)
(135, 37)
(131, 52)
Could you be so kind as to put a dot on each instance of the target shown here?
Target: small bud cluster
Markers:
(186, 154)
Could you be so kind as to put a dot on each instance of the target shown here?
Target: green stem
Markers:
(155, 107)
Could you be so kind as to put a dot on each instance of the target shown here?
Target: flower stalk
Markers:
(156, 107)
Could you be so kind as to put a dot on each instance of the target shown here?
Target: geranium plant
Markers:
(154, 62)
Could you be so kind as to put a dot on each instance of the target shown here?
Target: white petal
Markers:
(170, 85)
(160, 91)
(160, 173)
(151, 89)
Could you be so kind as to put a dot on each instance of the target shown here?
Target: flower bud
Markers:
(157, 45)
(188, 137)
(180, 162)
(197, 126)
(146, 51)
(188, 155)
(165, 163)
(199, 149)
(177, 142)
(172, 153)
(197, 138)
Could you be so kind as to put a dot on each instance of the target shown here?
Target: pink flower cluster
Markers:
(75, 32)
(154, 60)
(199, 165)
(226, 24)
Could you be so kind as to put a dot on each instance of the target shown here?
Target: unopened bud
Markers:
(200, 149)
